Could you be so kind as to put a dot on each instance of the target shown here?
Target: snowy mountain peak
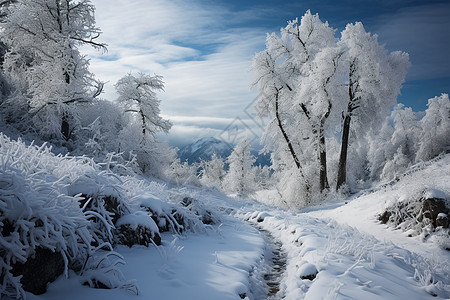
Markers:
(208, 142)
(203, 149)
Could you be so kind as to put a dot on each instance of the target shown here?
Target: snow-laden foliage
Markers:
(294, 79)
(327, 100)
(181, 173)
(34, 212)
(424, 215)
(374, 82)
(212, 172)
(435, 135)
(43, 62)
(405, 140)
(80, 210)
(240, 178)
(137, 95)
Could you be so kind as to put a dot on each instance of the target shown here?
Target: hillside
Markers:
(336, 250)
(203, 149)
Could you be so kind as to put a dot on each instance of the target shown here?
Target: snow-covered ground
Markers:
(213, 265)
(338, 250)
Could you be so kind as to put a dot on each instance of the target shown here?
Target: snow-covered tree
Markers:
(212, 172)
(435, 135)
(44, 63)
(263, 177)
(406, 131)
(182, 173)
(240, 178)
(137, 94)
(374, 81)
(293, 81)
(101, 123)
(380, 147)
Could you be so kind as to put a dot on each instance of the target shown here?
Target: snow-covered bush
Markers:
(75, 210)
(36, 213)
(182, 173)
(424, 215)
(435, 134)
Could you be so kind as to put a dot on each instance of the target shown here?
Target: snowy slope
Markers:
(361, 212)
(204, 266)
(334, 251)
(355, 255)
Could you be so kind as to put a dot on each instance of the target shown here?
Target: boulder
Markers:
(139, 235)
(308, 271)
(42, 267)
(442, 220)
(384, 217)
(432, 207)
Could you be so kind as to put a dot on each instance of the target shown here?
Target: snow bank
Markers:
(75, 208)
(326, 259)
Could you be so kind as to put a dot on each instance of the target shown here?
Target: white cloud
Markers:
(204, 61)
(181, 134)
(187, 129)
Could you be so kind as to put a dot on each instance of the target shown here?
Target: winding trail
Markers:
(277, 266)
(273, 265)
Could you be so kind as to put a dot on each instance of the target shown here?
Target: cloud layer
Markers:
(204, 51)
(201, 51)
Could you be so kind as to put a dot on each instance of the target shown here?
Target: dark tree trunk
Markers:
(353, 103)
(323, 163)
(322, 148)
(283, 132)
(65, 127)
(144, 125)
(342, 168)
(289, 143)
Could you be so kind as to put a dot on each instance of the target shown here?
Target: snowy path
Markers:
(213, 265)
(324, 260)
(334, 251)
(343, 263)
(350, 263)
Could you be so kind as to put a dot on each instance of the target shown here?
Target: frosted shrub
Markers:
(182, 173)
(41, 210)
(423, 216)
(34, 213)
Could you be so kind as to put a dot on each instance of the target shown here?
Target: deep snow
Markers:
(340, 245)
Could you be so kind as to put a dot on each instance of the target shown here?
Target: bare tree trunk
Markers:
(322, 148)
(289, 143)
(65, 126)
(144, 125)
(342, 168)
(353, 103)
(323, 162)
(283, 132)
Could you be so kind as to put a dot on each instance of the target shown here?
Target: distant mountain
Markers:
(204, 148)
(261, 159)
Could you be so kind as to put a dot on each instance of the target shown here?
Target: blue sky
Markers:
(204, 48)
